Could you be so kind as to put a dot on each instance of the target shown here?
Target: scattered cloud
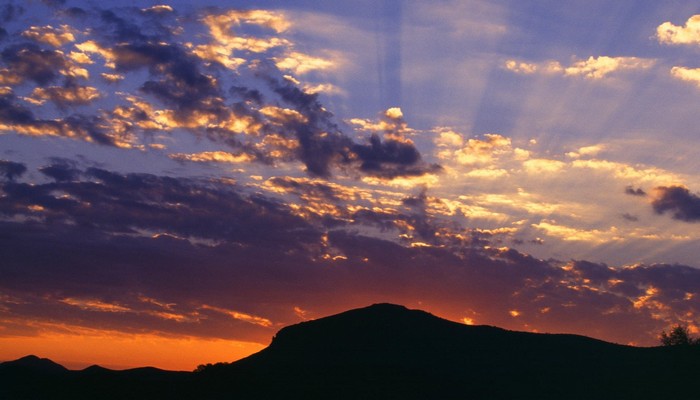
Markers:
(73, 95)
(691, 75)
(684, 205)
(300, 63)
(586, 151)
(295, 203)
(11, 170)
(213, 156)
(591, 68)
(668, 33)
(635, 192)
(56, 37)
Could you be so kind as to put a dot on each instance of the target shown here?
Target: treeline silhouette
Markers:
(679, 336)
(389, 352)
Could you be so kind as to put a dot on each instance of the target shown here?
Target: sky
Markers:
(180, 180)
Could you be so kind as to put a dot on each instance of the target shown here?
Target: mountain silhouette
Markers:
(34, 364)
(387, 351)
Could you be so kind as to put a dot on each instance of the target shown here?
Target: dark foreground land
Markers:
(389, 352)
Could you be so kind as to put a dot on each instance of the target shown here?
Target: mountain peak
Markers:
(385, 306)
(32, 362)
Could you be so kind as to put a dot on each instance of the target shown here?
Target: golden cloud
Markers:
(669, 33)
(225, 42)
(691, 75)
(481, 152)
(249, 318)
(213, 156)
(591, 68)
(72, 95)
(542, 165)
(56, 37)
(300, 63)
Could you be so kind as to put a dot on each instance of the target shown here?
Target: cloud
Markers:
(154, 201)
(668, 33)
(112, 78)
(157, 9)
(473, 152)
(322, 144)
(591, 68)
(300, 63)
(691, 75)
(61, 170)
(225, 42)
(684, 205)
(630, 217)
(184, 89)
(56, 37)
(65, 96)
(568, 233)
(29, 62)
(391, 158)
(373, 219)
(8, 12)
(208, 258)
(19, 119)
(623, 171)
(213, 156)
(543, 166)
(11, 170)
(635, 192)
(586, 151)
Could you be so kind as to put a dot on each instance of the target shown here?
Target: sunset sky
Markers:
(180, 180)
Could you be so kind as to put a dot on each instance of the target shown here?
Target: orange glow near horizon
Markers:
(118, 351)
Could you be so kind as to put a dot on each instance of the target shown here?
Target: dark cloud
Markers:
(419, 219)
(28, 61)
(138, 26)
(123, 30)
(13, 113)
(305, 188)
(61, 170)
(75, 12)
(684, 205)
(323, 144)
(191, 87)
(87, 126)
(166, 254)
(9, 12)
(11, 170)
(22, 120)
(320, 141)
(630, 217)
(173, 254)
(247, 94)
(391, 159)
(179, 81)
(635, 192)
(377, 153)
(121, 203)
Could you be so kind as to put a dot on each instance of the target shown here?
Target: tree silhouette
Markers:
(679, 336)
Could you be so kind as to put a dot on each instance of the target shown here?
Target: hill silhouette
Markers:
(386, 351)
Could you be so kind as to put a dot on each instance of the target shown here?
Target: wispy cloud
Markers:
(592, 68)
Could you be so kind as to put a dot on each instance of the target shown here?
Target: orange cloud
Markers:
(56, 37)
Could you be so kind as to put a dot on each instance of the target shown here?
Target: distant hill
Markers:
(33, 364)
(386, 351)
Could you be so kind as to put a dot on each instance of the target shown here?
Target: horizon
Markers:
(77, 366)
(181, 180)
